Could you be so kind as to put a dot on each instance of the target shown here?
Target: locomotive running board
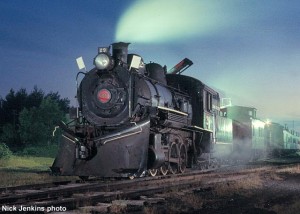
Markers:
(127, 132)
(199, 128)
(172, 110)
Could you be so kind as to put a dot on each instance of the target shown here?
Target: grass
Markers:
(26, 162)
(23, 170)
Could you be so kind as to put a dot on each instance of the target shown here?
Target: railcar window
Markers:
(260, 131)
(223, 113)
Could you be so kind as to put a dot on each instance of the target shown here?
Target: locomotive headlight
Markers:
(103, 61)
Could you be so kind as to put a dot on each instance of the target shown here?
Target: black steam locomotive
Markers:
(136, 118)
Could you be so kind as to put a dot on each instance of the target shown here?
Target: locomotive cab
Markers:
(205, 105)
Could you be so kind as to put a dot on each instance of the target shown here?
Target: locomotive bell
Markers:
(120, 51)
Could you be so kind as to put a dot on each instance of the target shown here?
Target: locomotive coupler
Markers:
(82, 152)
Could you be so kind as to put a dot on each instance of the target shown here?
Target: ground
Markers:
(264, 192)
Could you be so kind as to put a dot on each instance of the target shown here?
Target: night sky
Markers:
(247, 50)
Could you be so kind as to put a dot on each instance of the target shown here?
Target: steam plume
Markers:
(169, 20)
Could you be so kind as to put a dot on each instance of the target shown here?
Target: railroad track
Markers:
(62, 196)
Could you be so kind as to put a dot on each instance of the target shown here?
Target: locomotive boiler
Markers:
(136, 118)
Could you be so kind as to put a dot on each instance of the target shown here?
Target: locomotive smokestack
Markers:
(120, 51)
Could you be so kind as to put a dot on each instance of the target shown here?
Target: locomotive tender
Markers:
(135, 118)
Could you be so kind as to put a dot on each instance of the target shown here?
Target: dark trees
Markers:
(29, 119)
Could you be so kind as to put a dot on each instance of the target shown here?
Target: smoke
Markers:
(170, 20)
(242, 150)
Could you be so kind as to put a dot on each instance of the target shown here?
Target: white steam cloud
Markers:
(168, 20)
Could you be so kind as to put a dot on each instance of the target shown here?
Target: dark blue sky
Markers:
(248, 50)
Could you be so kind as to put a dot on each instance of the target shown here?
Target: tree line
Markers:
(28, 119)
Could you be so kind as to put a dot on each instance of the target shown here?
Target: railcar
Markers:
(248, 134)
(280, 140)
(253, 138)
(223, 147)
(291, 139)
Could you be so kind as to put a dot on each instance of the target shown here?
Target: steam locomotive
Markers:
(136, 118)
